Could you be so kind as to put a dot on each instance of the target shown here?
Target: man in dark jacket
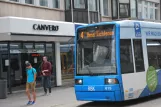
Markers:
(46, 74)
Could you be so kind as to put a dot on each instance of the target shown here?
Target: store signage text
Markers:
(45, 27)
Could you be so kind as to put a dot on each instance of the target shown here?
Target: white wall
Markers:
(25, 26)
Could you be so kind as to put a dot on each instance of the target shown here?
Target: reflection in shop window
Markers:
(15, 45)
(3, 47)
(28, 46)
(67, 58)
(50, 53)
(39, 46)
(3, 58)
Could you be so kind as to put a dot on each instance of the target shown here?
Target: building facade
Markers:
(81, 11)
(30, 29)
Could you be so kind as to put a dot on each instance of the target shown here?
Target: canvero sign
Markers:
(45, 27)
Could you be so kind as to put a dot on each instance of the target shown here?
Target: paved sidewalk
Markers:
(65, 83)
(58, 98)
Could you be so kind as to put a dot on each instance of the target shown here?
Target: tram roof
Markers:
(129, 23)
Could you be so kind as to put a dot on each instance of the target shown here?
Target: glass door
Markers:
(4, 62)
(15, 64)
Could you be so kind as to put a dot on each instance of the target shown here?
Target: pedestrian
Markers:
(31, 83)
(46, 74)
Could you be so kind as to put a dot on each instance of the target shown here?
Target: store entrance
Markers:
(14, 55)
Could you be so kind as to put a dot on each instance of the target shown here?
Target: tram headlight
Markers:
(111, 81)
(78, 81)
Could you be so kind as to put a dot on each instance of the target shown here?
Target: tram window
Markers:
(127, 65)
(138, 53)
(154, 53)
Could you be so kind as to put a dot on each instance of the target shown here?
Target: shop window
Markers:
(127, 65)
(92, 5)
(79, 4)
(56, 3)
(29, 1)
(49, 51)
(67, 58)
(154, 53)
(39, 46)
(138, 54)
(44, 3)
(3, 60)
(28, 46)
